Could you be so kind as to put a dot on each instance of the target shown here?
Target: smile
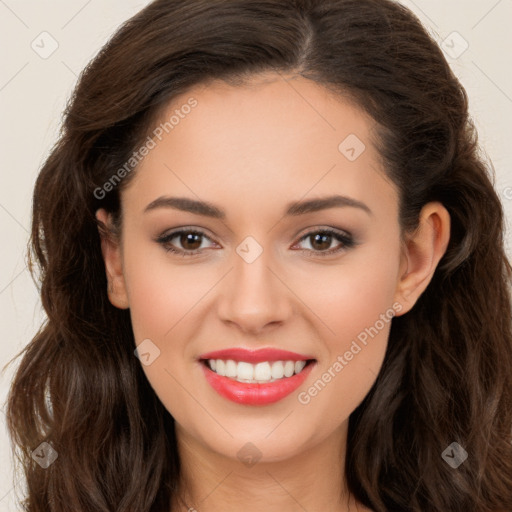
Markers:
(267, 371)
(255, 377)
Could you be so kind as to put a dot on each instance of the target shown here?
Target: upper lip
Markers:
(255, 356)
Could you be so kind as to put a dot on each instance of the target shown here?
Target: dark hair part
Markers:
(447, 372)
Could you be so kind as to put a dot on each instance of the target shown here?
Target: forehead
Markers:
(274, 135)
(269, 115)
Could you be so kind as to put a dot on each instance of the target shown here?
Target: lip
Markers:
(255, 356)
(255, 393)
(251, 393)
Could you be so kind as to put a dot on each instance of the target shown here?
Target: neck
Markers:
(313, 479)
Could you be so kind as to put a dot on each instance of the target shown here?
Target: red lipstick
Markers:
(255, 356)
(249, 393)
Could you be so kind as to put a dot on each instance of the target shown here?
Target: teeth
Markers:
(263, 372)
(245, 371)
(220, 367)
(289, 368)
(260, 372)
(299, 366)
(277, 370)
(230, 368)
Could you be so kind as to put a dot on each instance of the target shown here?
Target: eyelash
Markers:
(346, 240)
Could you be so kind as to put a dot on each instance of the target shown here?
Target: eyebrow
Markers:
(292, 209)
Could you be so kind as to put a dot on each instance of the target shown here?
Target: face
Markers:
(319, 282)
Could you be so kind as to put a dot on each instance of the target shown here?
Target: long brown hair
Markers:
(447, 373)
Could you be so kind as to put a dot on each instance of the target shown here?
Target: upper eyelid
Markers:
(175, 232)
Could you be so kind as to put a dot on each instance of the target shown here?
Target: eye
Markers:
(321, 240)
(189, 239)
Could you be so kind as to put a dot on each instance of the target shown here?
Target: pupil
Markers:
(325, 237)
(188, 239)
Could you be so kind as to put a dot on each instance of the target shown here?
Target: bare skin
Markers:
(251, 150)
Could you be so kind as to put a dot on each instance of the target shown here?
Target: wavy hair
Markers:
(446, 375)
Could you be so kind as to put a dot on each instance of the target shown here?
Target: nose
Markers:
(254, 296)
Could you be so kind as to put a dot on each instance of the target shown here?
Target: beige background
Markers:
(34, 90)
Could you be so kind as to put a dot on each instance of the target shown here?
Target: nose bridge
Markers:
(253, 296)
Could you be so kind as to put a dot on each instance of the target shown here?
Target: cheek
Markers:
(352, 296)
(164, 298)
(162, 295)
(357, 308)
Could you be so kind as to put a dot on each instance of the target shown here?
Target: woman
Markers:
(336, 336)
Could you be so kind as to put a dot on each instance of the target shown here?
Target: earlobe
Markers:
(423, 250)
(111, 251)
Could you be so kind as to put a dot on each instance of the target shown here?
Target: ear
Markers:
(111, 250)
(423, 250)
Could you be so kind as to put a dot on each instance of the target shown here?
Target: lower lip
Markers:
(255, 393)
